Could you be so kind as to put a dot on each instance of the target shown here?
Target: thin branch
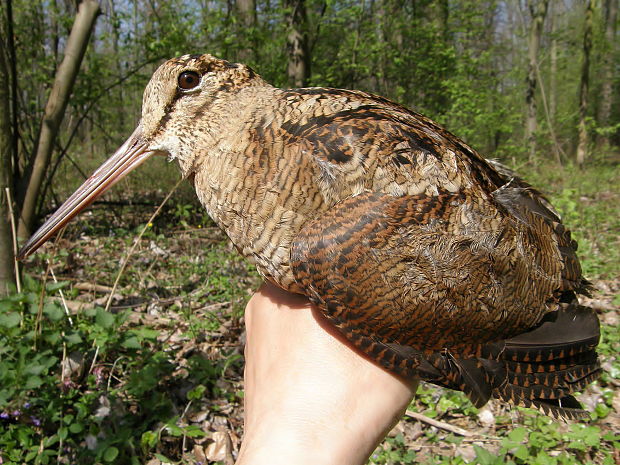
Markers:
(439, 424)
(10, 43)
(62, 294)
(101, 94)
(137, 241)
(548, 117)
(9, 200)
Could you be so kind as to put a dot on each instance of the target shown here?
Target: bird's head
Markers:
(181, 92)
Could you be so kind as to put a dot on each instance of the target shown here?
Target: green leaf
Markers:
(146, 333)
(521, 452)
(149, 438)
(10, 320)
(163, 458)
(53, 311)
(174, 430)
(197, 393)
(110, 454)
(33, 382)
(52, 337)
(611, 437)
(73, 338)
(91, 312)
(131, 343)
(543, 459)
(34, 369)
(104, 319)
(51, 440)
(76, 428)
(6, 305)
(25, 439)
(517, 435)
(53, 287)
(602, 410)
(485, 457)
(194, 431)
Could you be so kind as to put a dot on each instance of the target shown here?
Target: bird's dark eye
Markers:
(188, 80)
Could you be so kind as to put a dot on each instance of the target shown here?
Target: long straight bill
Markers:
(129, 156)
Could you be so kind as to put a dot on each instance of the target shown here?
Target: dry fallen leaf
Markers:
(486, 417)
(220, 450)
(466, 452)
(199, 454)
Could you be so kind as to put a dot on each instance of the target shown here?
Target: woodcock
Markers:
(430, 259)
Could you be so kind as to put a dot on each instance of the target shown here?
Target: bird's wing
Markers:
(431, 272)
(437, 286)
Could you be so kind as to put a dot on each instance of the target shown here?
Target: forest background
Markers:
(123, 342)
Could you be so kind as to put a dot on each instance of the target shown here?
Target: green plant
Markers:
(85, 388)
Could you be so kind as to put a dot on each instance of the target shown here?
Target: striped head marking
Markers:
(183, 96)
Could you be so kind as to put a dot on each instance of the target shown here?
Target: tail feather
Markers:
(538, 369)
(571, 330)
(567, 408)
(570, 380)
(553, 366)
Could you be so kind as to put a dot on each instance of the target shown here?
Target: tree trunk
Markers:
(297, 43)
(441, 16)
(604, 111)
(553, 82)
(7, 275)
(246, 9)
(553, 67)
(55, 108)
(13, 96)
(582, 146)
(538, 11)
(116, 39)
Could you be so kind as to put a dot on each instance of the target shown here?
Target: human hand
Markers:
(310, 397)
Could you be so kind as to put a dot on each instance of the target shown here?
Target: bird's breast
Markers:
(261, 200)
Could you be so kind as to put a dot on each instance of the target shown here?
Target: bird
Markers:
(430, 259)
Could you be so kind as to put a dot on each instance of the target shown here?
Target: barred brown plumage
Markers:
(430, 259)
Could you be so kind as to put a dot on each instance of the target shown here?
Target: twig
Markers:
(180, 419)
(558, 148)
(62, 295)
(9, 201)
(48, 268)
(92, 365)
(215, 306)
(93, 287)
(112, 370)
(439, 424)
(137, 241)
